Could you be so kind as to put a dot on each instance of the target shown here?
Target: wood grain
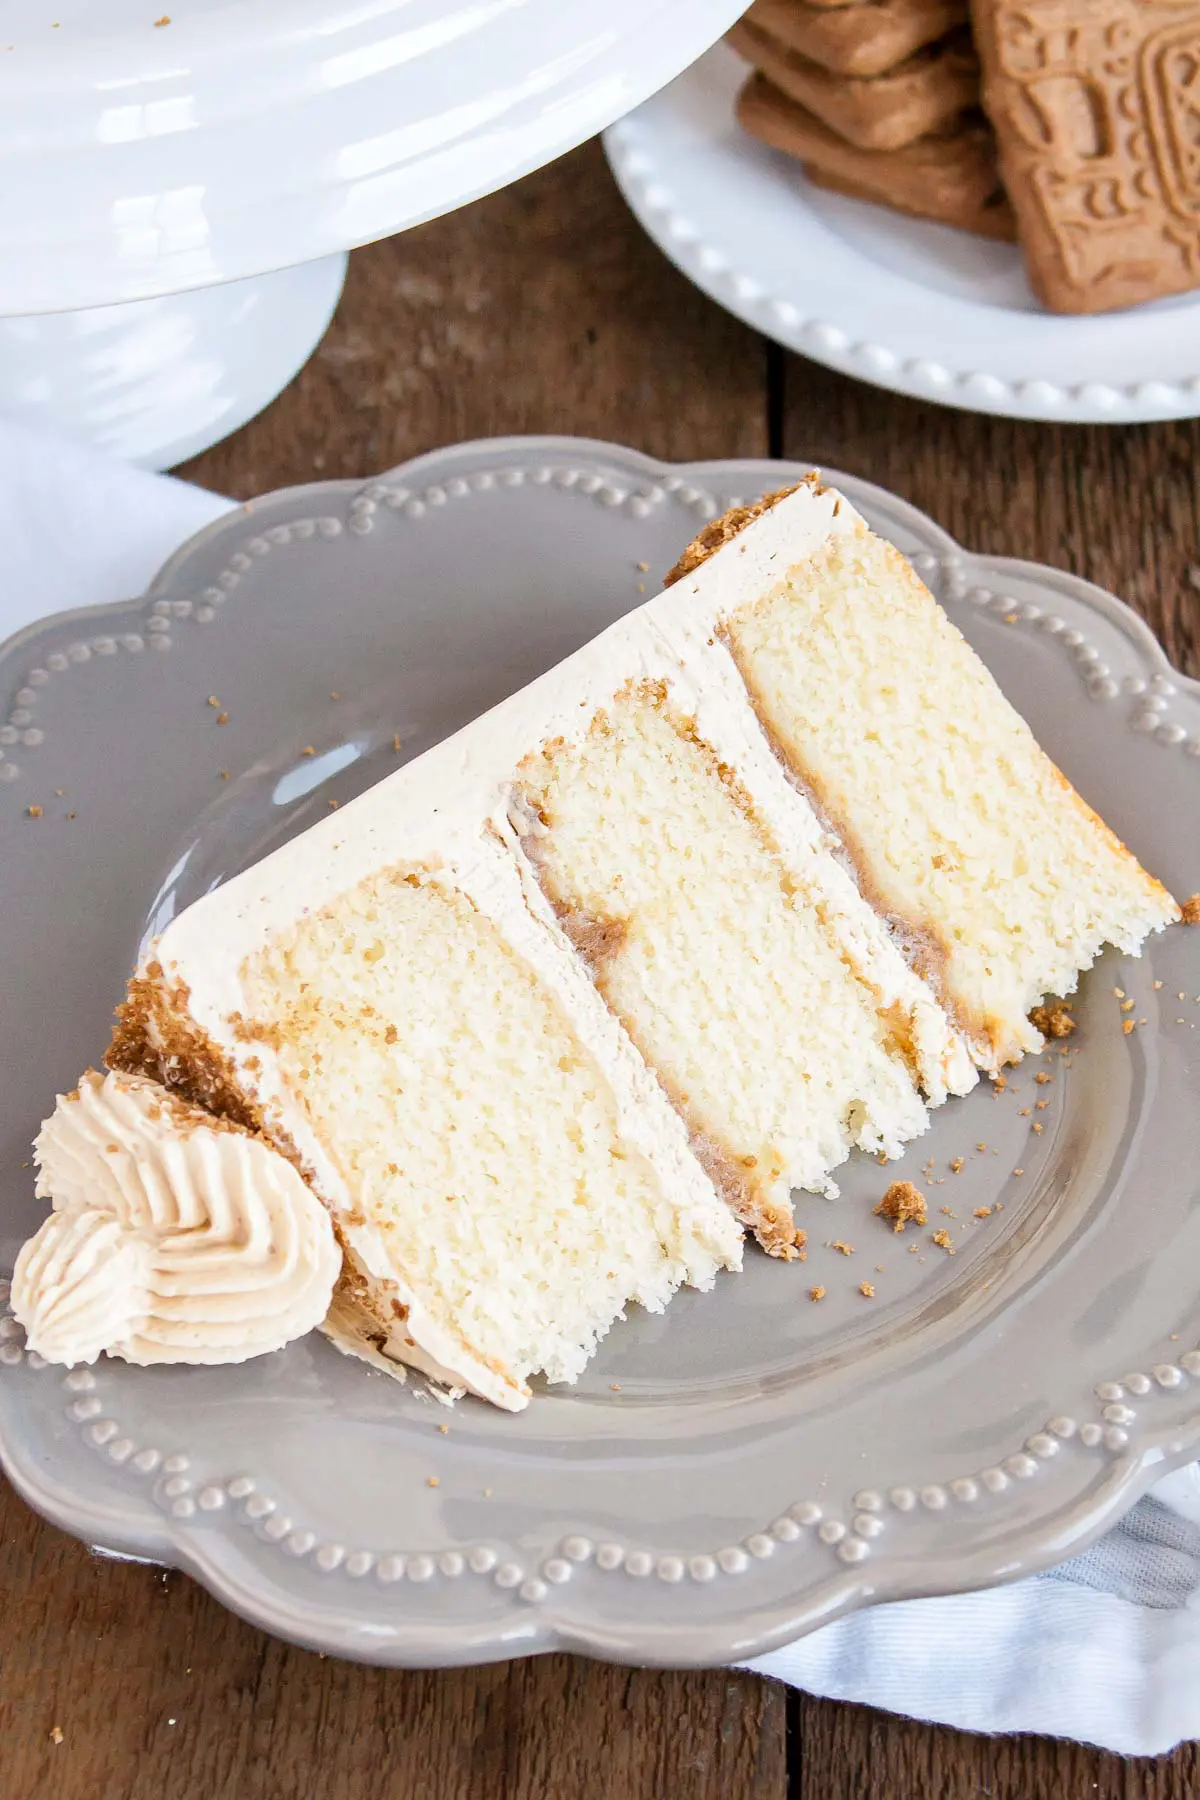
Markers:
(545, 309)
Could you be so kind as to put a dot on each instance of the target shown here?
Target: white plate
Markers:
(235, 139)
(919, 308)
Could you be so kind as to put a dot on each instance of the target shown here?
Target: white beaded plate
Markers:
(750, 1464)
(908, 305)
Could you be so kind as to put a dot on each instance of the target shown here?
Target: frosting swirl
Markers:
(175, 1237)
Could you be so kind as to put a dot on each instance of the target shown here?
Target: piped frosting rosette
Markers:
(174, 1237)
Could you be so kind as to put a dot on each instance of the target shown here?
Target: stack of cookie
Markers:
(1081, 139)
(879, 99)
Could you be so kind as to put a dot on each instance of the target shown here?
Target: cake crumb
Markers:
(1042, 1078)
(1018, 1171)
(867, 1290)
(34, 812)
(56, 1734)
(1026, 1110)
(942, 1240)
(816, 1293)
(956, 1167)
(614, 1387)
(948, 1212)
(433, 1481)
(1156, 985)
(903, 1204)
(224, 774)
(334, 695)
(332, 805)
(1127, 1026)
(222, 718)
(642, 568)
(214, 702)
(308, 750)
(159, 23)
(999, 1083)
(981, 1148)
(842, 1249)
(1127, 1005)
(1189, 912)
(396, 741)
(71, 816)
(59, 792)
(1041, 1106)
(1053, 1021)
(1038, 1127)
(445, 1430)
(487, 1493)
(982, 1212)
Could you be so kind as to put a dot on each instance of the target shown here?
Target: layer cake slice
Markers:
(734, 890)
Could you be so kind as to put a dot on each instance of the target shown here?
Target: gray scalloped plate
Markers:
(749, 1465)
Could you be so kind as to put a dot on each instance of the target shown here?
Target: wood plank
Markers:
(855, 1753)
(541, 309)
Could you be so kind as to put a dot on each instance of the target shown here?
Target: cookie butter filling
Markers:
(174, 1237)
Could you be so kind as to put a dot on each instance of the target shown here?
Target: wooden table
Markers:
(545, 309)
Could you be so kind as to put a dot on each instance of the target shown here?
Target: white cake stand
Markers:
(180, 179)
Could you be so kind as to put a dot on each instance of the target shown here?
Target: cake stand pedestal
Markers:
(154, 382)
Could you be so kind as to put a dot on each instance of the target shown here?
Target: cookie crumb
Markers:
(903, 1204)
(1127, 1026)
(816, 1293)
(396, 741)
(942, 1240)
(982, 1212)
(433, 1481)
(1038, 1127)
(1054, 1020)
(308, 750)
(867, 1290)
(214, 702)
(999, 1083)
(1018, 1171)
(332, 805)
(614, 1387)
(1042, 1078)
(1026, 1110)
(56, 1734)
(34, 812)
(1189, 912)
(956, 1167)
(842, 1249)
(1127, 1005)
(222, 718)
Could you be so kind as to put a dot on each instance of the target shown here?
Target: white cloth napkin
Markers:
(1105, 1648)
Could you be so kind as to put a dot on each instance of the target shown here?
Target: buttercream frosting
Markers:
(174, 1237)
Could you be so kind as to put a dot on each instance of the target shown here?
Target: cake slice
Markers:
(548, 1014)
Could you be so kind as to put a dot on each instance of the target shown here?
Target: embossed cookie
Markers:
(865, 37)
(878, 112)
(1096, 107)
(949, 176)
